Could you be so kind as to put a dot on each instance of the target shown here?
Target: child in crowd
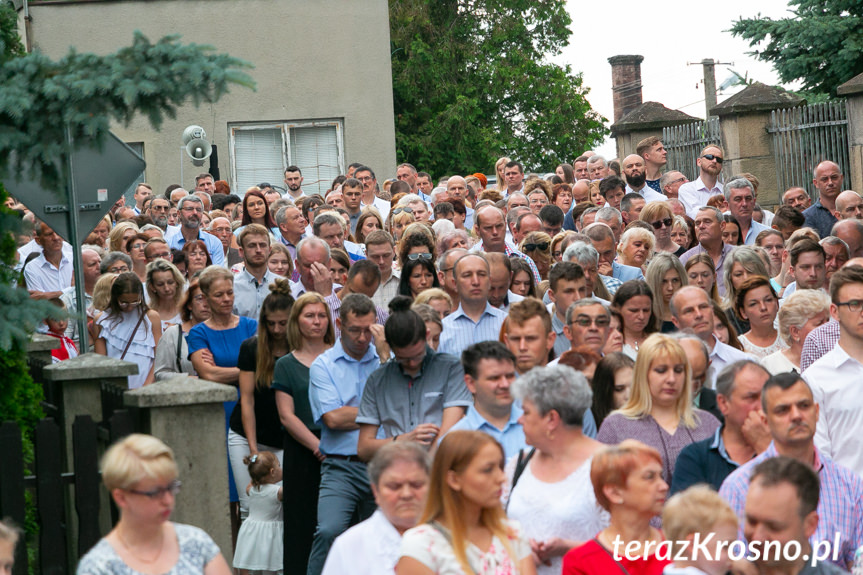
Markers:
(692, 515)
(260, 542)
(57, 328)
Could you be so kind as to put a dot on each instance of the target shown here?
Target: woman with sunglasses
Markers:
(417, 276)
(416, 244)
(140, 473)
(400, 218)
(537, 246)
(129, 330)
(660, 217)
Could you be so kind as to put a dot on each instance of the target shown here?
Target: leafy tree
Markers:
(472, 81)
(820, 43)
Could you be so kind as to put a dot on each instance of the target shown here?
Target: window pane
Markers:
(315, 151)
(258, 158)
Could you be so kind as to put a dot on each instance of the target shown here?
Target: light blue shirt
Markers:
(511, 437)
(755, 228)
(249, 294)
(338, 380)
(460, 331)
(176, 241)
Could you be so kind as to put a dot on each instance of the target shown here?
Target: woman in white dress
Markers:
(553, 497)
(803, 311)
(399, 474)
(756, 304)
(128, 330)
(165, 288)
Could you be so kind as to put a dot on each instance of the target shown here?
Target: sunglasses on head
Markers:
(659, 223)
(530, 247)
(415, 257)
(713, 157)
(397, 211)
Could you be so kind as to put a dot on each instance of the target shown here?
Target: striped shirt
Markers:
(819, 341)
(840, 507)
(460, 331)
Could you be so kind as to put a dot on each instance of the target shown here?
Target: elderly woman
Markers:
(141, 475)
(561, 196)
(803, 311)
(665, 275)
(660, 217)
(539, 196)
(551, 493)
(399, 476)
(740, 264)
(659, 411)
(628, 483)
(681, 233)
(635, 248)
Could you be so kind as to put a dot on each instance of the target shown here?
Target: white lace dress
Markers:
(566, 509)
(117, 330)
(762, 352)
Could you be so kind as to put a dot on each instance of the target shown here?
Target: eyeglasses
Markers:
(173, 488)
(397, 211)
(129, 303)
(659, 223)
(199, 210)
(138, 246)
(415, 257)
(683, 179)
(163, 255)
(586, 321)
(541, 246)
(118, 270)
(224, 229)
(854, 305)
(718, 159)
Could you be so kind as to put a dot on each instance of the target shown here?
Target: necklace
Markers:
(137, 557)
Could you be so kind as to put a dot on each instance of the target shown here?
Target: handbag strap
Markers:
(607, 552)
(520, 466)
(179, 343)
(132, 337)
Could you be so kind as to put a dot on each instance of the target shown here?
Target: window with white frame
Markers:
(261, 152)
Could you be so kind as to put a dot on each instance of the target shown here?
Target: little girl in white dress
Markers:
(260, 543)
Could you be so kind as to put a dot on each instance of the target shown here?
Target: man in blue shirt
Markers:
(489, 370)
(191, 211)
(337, 379)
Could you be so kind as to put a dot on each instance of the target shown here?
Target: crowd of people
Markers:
(522, 376)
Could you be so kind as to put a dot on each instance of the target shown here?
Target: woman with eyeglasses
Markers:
(172, 351)
(129, 330)
(665, 275)
(417, 276)
(197, 258)
(537, 246)
(140, 473)
(135, 248)
(660, 217)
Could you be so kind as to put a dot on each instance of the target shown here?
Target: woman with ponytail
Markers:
(255, 422)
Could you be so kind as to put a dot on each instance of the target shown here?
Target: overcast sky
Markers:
(669, 34)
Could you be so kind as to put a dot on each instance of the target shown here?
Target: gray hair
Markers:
(513, 214)
(595, 159)
(581, 252)
(725, 381)
(515, 195)
(313, 241)
(750, 259)
(282, 213)
(189, 198)
(717, 213)
(148, 227)
(799, 308)
(584, 302)
(688, 334)
(556, 387)
(437, 192)
(737, 184)
(834, 241)
(327, 218)
(392, 453)
(409, 199)
(665, 179)
(589, 211)
(607, 214)
(113, 257)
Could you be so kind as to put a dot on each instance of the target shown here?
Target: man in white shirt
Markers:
(370, 186)
(691, 308)
(634, 172)
(513, 175)
(142, 192)
(294, 182)
(380, 249)
(51, 272)
(695, 194)
(836, 377)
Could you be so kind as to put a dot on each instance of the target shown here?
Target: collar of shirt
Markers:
(340, 353)
(489, 310)
(477, 421)
(269, 277)
(839, 357)
(771, 451)
(701, 187)
(719, 445)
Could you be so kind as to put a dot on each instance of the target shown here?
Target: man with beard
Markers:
(636, 180)
(695, 194)
(190, 211)
(294, 181)
(158, 212)
(252, 284)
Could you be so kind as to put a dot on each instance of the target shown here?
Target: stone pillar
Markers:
(744, 119)
(187, 414)
(39, 348)
(625, 83)
(644, 121)
(853, 91)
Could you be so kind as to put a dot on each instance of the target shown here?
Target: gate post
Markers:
(853, 91)
(744, 119)
(187, 414)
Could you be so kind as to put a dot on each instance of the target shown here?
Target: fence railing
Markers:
(684, 144)
(805, 136)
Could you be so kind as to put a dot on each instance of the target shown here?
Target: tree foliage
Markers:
(472, 81)
(819, 44)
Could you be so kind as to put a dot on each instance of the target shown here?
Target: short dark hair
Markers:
(725, 379)
(200, 177)
(367, 269)
(783, 381)
(787, 216)
(782, 469)
(365, 169)
(514, 164)
(627, 200)
(293, 169)
(219, 201)
(551, 215)
(609, 184)
(805, 245)
(844, 276)
(424, 175)
(569, 271)
(357, 304)
(351, 183)
(404, 327)
(442, 209)
(477, 352)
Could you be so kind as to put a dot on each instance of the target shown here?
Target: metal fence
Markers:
(684, 144)
(805, 136)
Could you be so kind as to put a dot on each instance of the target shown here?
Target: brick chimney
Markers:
(625, 83)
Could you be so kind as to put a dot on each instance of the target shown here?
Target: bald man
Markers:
(849, 205)
(636, 182)
(828, 180)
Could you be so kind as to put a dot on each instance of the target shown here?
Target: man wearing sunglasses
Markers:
(670, 183)
(695, 194)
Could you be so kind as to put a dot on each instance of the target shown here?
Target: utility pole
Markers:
(709, 81)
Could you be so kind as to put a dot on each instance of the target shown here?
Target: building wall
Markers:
(320, 60)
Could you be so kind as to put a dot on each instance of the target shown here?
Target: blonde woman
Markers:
(660, 217)
(165, 290)
(659, 412)
(499, 166)
(537, 246)
(636, 247)
(118, 237)
(802, 312)
(741, 263)
(437, 298)
(665, 275)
